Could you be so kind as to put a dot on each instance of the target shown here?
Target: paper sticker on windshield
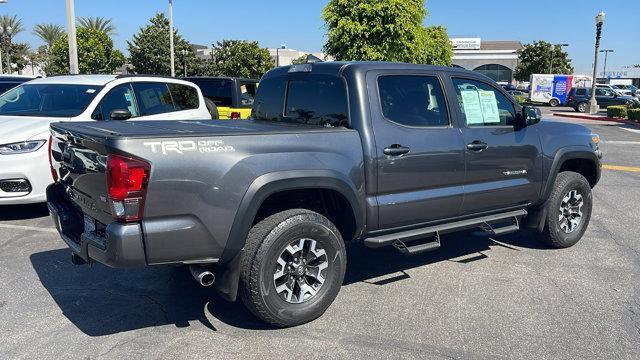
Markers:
(90, 91)
(472, 107)
(489, 107)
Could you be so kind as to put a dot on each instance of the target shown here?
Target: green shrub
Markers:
(522, 100)
(617, 111)
(634, 114)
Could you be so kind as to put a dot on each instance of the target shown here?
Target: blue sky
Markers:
(297, 23)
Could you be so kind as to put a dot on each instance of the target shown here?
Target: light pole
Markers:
(606, 52)
(71, 35)
(173, 64)
(283, 46)
(184, 60)
(593, 104)
(553, 52)
(1, 67)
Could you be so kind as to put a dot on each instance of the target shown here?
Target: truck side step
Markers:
(503, 229)
(434, 244)
(435, 230)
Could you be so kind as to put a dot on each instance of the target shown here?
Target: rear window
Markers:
(581, 92)
(310, 99)
(220, 91)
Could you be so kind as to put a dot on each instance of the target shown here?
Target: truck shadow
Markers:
(101, 301)
(23, 212)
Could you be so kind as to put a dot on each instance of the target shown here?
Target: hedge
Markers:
(634, 114)
(617, 111)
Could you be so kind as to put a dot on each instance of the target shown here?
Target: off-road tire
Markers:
(552, 234)
(265, 242)
(212, 109)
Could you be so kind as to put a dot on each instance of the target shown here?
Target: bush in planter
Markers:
(617, 111)
(634, 114)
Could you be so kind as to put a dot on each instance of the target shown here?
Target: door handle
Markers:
(396, 150)
(477, 145)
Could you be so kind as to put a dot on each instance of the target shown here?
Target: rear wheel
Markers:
(292, 267)
(212, 108)
(582, 107)
(568, 210)
(554, 102)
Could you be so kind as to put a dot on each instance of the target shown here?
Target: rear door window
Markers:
(119, 98)
(413, 100)
(153, 98)
(581, 92)
(184, 97)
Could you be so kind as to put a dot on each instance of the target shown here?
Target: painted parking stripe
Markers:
(632, 130)
(32, 228)
(616, 142)
(621, 168)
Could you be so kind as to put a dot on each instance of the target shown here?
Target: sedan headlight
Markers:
(21, 147)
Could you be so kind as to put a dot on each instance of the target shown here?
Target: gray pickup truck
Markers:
(384, 153)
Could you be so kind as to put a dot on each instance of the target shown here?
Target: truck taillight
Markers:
(127, 181)
(235, 115)
(54, 174)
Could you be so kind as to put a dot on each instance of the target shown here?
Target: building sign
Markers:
(466, 43)
(625, 73)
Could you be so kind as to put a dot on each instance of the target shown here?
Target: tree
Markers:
(96, 54)
(150, 54)
(383, 30)
(97, 23)
(13, 22)
(49, 33)
(300, 60)
(18, 56)
(241, 58)
(536, 58)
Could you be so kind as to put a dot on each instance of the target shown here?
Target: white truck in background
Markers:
(552, 89)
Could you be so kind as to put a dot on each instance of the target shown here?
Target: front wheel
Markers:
(568, 210)
(292, 267)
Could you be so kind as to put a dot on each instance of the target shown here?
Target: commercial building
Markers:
(495, 59)
(630, 74)
(283, 56)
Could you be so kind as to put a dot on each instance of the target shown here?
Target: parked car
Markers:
(386, 153)
(517, 93)
(8, 82)
(27, 110)
(614, 89)
(630, 88)
(579, 98)
(233, 97)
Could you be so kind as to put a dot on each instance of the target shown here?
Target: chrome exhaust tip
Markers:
(202, 275)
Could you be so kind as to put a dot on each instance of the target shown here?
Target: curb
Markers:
(598, 118)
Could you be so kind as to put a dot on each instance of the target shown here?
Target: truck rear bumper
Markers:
(118, 245)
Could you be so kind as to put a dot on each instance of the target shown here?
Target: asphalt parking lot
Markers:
(476, 297)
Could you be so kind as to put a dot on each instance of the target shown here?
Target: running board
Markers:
(482, 222)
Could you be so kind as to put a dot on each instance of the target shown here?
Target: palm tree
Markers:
(49, 33)
(97, 23)
(13, 22)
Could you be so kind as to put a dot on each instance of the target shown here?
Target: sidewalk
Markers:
(601, 116)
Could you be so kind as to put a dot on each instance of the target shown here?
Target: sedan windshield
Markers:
(47, 100)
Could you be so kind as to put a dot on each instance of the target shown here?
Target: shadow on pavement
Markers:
(102, 301)
(23, 212)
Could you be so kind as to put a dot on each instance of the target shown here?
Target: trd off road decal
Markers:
(180, 147)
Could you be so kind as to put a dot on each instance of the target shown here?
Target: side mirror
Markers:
(531, 115)
(120, 114)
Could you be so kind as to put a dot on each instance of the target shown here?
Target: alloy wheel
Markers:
(570, 212)
(300, 271)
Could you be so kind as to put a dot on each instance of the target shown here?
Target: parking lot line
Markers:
(621, 168)
(32, 228)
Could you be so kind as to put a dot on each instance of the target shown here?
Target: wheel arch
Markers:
(257, 193)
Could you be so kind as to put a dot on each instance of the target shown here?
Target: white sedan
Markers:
(27, 110)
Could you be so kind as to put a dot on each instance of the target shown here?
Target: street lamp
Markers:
(593, 104)
(606, 52)
(173, 65)
(184, 59)
(283, 46)
(5, 39)
(553, 52)
(71, 35)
